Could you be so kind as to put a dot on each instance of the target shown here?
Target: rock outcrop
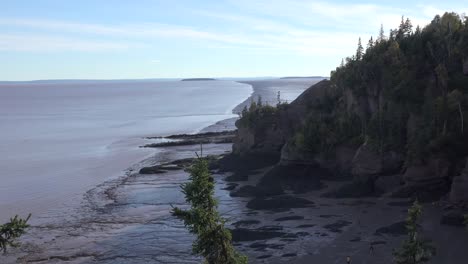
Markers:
(459, 189)
(263, 137)
(427, 182)
(465, 67)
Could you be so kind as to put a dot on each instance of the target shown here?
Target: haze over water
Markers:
(60, 139)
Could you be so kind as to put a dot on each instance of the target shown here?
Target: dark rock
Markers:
(401, 203)
(242, 234)
(152, 170)
(278, 202)
(271, 228)
(245, 222)
(459, 188)
(465, 67)
(230, 186)
(246, 191)
(305, 226)
(453, 218)
(426, 182)
(289, 218)
(355, 189)
(374, 243)
(337, 226)
(302, 234)
(329, 216)
(246, 163)
(238, 176)
(396, 229)
(297, 178)
(385, 184)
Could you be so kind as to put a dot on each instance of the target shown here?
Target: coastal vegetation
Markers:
(11, 231)
(213, 241)
(257, 111)
(414, 250)
(412, 79)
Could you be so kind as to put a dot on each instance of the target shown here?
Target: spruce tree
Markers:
(414, 250)
(12, 230)
(381, 34)
(359, 51)
(370, 44)
(213, 241)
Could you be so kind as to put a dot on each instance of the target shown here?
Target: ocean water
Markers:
(60, 139)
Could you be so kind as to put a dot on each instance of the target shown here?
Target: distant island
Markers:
(197, 79)
(304, 77)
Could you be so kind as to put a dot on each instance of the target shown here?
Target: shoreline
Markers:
(100, 202)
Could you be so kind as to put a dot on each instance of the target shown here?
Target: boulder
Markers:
(459, 189)
(366, 164)
(453, 218)
(427, 182)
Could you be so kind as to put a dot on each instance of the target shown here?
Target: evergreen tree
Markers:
(381, 34)
(359, 51)
(213, 241)
(414, 250)
(12, 230)
(370, 44)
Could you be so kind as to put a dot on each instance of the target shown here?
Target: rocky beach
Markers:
(278, 209)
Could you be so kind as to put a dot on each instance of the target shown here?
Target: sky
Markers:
(91, 39)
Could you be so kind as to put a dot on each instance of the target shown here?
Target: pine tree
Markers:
(381, 34)
(213, 241)
(12, 230)
(408, 30)
(359, 51)
(370, 44)
(414, 250)
(342, 63)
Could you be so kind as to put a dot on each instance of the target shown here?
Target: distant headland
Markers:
(304, 77)
(197, 79)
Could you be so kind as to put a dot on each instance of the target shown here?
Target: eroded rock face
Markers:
(366, 164)
(459, 189)
(428, 182)
(263, 137)
(465, 67)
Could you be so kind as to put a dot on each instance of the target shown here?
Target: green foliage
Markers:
(321, 134)
(414, 250)
(411, 73)
(213, 240)
(12, 230)
(257, 111)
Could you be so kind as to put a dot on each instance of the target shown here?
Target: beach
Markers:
(127, 219)
(93, 223)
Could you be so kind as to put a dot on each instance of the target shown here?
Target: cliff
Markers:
(392, 119)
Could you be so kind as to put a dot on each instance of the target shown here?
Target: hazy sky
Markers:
(98, 39)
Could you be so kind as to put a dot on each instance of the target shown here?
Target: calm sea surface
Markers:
(58, 140)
